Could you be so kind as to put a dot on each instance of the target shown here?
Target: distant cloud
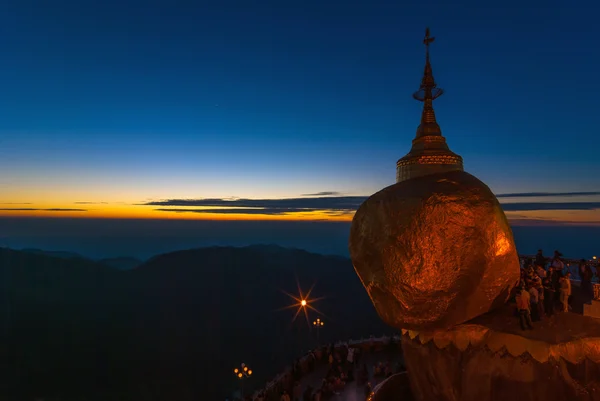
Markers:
(273, 212)
(331, 193)
(349, 203)
(41, 210)
(529, 206)
(15, 203)
(545, 194)
(333, 205)
(550, 222)
(90, 203)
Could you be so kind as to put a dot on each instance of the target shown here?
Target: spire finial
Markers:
(428, 91)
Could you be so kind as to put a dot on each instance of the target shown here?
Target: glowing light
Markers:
(303, 303)
(593, 257)
(243, 372)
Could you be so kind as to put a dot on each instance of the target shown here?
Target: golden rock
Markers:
(434, 251)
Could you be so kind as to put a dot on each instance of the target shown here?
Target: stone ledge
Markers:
(566, 335)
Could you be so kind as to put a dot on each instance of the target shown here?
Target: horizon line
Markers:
(517, 221)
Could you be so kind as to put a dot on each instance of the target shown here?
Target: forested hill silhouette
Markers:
(170, 329)
(58, 254)
(122, 263)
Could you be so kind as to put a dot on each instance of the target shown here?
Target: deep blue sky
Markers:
(134, 100)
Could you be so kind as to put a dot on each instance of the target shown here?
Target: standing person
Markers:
(350, 357)
(524, 307)
(586, 275)
(565, 291)
(540, 259)
(541, 298)
(556, 266)
(548, 297)
(533, 301)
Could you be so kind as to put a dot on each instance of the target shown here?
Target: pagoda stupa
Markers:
(437, 257)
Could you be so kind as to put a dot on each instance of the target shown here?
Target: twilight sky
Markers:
(128, 108)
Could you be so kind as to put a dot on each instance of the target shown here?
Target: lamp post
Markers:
(318, 324)
(243, 372)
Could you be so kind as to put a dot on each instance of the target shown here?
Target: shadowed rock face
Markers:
(491, 358)
(479, 374)
(434, 251)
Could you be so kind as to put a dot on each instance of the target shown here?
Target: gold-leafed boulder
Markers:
(434, 251)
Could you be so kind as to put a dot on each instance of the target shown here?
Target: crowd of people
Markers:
(545, 287)
(345, 365)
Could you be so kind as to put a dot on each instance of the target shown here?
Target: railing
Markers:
(567, 261)
(571, 266)
(284, 379)
(395, 387)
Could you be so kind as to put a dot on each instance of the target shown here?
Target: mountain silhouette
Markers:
(174, 327)
(58, 254)
(121, 263)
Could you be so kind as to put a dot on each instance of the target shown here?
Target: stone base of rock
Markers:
(492, 359)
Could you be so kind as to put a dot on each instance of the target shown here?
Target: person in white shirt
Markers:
(533, 299)
(565, 291)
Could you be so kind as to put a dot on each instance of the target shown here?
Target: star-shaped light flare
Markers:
(302, 303)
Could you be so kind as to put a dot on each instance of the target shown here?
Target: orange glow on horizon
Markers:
(124, 211)
(121, 210)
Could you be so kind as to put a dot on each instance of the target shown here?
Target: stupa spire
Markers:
(429, 153)
(427, 93)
